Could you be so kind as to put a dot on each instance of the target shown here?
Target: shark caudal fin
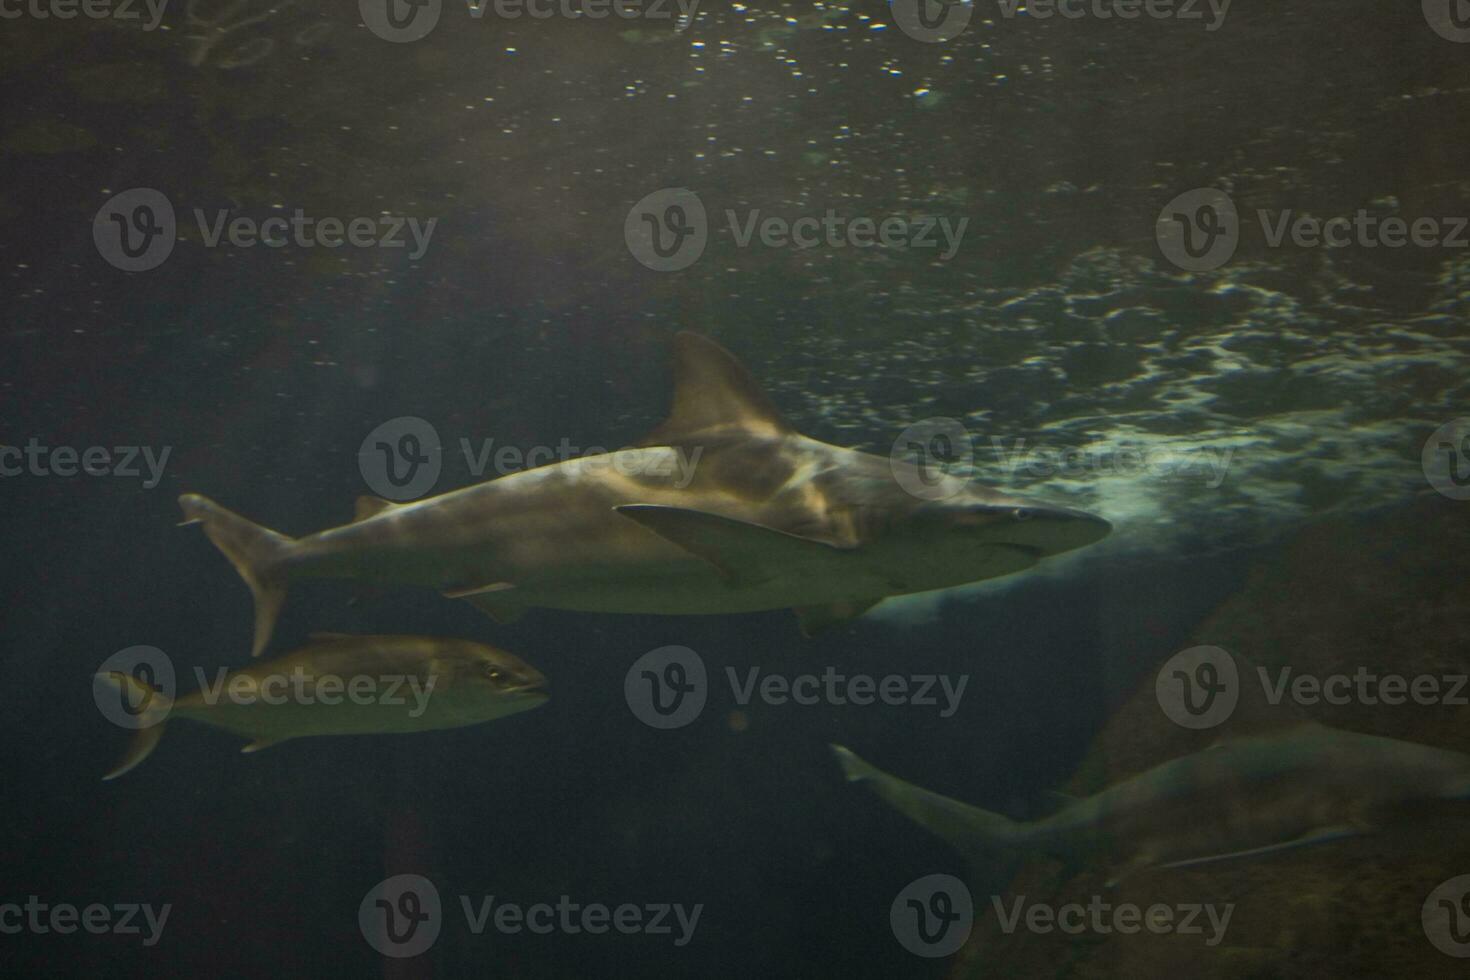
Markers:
(988, 841)
(256, 553)
(145, 703)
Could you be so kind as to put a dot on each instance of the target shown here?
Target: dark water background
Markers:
(528, 321)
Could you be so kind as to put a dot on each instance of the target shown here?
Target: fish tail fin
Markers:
(256, 552)
(988, 840)
(155, 706)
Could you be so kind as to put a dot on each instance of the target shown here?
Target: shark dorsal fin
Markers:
(366, 507)
(713, 390)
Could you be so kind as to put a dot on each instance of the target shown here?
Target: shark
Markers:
(1243, 797)
(723, 508)
(340, 684)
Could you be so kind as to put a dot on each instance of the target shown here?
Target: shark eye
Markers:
(493, 673)
(1021, 514)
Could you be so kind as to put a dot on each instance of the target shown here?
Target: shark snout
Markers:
(1050, 530)
(1034, 528)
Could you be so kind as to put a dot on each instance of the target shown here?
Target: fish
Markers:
(1243, 797)
(724, 508)
(341, 684)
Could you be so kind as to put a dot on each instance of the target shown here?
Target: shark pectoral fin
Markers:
(745, 554)
(366, 507)
(1320, 835)
(814, 619)
(263, 743)
(501, 601)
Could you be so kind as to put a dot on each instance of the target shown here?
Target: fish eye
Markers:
(1021, 514)
(492, 672)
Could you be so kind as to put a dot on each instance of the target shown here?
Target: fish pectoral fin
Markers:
(815, 619)
(743, 553)
(501, 601)
(263, 743)
(366, 507)
(1319, 835)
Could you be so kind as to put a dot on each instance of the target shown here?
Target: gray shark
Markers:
(1242, 797)
(766, 519)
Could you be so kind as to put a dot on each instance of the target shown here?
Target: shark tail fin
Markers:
(989, 841)
(256, 552)
(154, 709)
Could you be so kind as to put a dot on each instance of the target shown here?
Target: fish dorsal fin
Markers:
(713, 390)
(370, 507)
